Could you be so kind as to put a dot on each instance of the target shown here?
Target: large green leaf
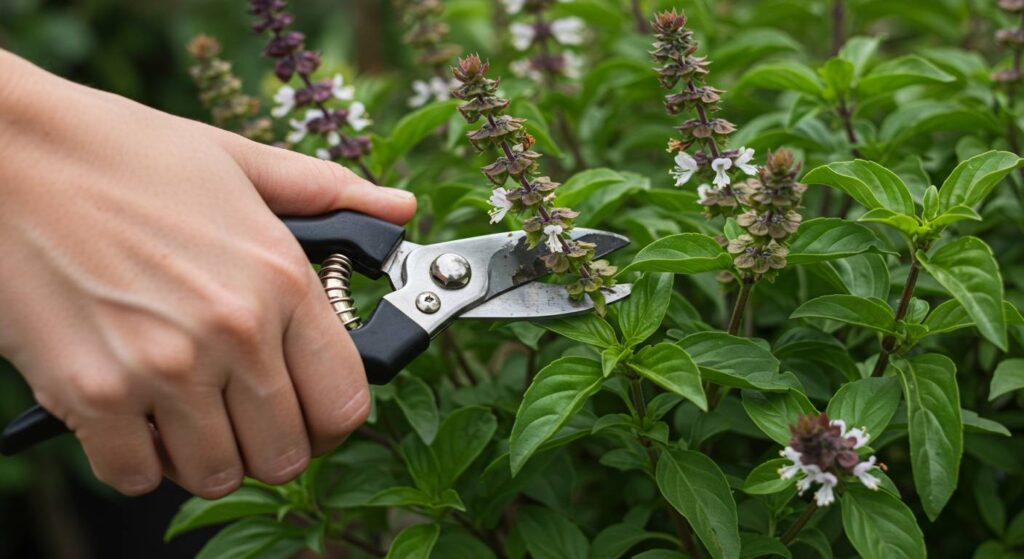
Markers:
(411, 130)
(733, 361)
(1009, 376)
(974, 178)
(859, 50)
(583, 184)
(765, 480)
(785, 75)
(670, 367)
(412, 497)
(463, 435)
(773, 413)
(880, 526)
(640, 315)
(694, 486)
(416, 400)
(864, 275)
(901, 72)
(246, 501)
(615, 540)
(756, 546)
(549, 535)
(254, 538)
(587, 328)
(850, 309)
(935, 425)
(968, 270)
(867, 182)
(415, 542)
(951, 316)
(867, 403)
(556, 394)
(831, 238)
(685, 253)
(924, 116)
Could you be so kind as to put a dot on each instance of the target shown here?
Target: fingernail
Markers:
(398, 193)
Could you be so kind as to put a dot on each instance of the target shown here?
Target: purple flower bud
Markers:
(307, 62)
(284, 69)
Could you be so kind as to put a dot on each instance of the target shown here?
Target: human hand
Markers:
(145, 279)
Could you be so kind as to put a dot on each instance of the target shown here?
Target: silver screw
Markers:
(428, 302)
(450, 271)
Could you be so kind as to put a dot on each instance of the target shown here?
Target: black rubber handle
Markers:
(367, 241)
(30, 428)
(388, 342)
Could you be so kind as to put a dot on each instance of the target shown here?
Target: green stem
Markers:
(794, 530)
(715, 392)
(890, 344)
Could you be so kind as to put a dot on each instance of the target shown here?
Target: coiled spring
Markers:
(336, 277)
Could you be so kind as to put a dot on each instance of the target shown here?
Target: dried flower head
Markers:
(824, 451)
(424, 20)
(220, 91)
(529, 193)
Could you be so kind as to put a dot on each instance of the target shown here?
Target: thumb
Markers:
(295, 184)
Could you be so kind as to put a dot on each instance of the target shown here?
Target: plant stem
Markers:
(838, 14)
(362, 544)
(794, 530)
(845, 113)
(716, 393)
(379, 439)
(642, 26)
(889, 343)
(491, 540)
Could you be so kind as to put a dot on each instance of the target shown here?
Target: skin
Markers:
(153, 301)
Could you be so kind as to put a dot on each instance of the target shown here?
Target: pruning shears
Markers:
(488, 277)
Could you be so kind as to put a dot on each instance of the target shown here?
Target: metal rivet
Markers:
(450, 271)
(428, 302)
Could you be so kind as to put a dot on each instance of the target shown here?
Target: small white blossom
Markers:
(525, 69)
(686, 166)
(861, 471)
(340, 90)
(301, 127)
(743, 161)
(513, 6)
(824, 496)
(285, 99)
(323, 153)
(554, 234)
(522, 35)
(704, 192)
(501, 203)
(357, 117)
(857, 434)
(720, 166)
(422, 94)
(568, 31)
(572, 65)
(790, 471)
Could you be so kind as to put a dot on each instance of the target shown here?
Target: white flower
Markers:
(861, 471)
(323, 153)
(857, 434)
(704, 191)
(743, 161)
(442, 88)
(824, 496)
(524, 69)
(357, 117)
(422, 94)
(301, 127)
(340, 90)
(554, 240)
(568, 31)
(285, 99)
(572, 65)
(513, 6)
(686, 166)
(720, 166)
(522, 35)
(501, 203)
(790, 471)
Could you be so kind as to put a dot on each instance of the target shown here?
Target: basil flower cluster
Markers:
(1013, 39)
(220, 91)
(822, 451)
(545, 41)
(529, 193)
(426, 33)
(332, 123)
(768, 203)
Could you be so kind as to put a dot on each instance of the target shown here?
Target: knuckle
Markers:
(237, 318)
(288, 270)
(285, 468)
(171, 360)
(98, 390)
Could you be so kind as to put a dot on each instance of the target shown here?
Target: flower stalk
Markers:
(220, 91)
(332, 124)
(426, 33)
(530, 193)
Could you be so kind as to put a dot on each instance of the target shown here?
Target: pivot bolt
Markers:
(428, 302)
(450, 271)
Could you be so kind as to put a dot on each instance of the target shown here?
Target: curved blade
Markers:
(541, 300)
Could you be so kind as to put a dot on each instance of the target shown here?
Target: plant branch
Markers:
(838, 14)
(890, 344)
(642, 26)
(490, 540)
(845, 113)
(716, 392)
(794, 530)
(356, 541)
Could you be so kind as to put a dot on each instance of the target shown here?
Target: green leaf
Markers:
(951, 316)
(838, 75)
(773, 413)
(587, 328)
(411, 130)
(955, 214)
(412, 497)
(785, 76)
(864, 275)
(460, 544)
(641, 314)
(925, 116)
(670, 367)
(802, 345)
(1009, 376)
(463, 435)
(615, 540)
(415, 542)
(254, 538)
(537, 126)
(760, 545)
(685, 253)
(556, 394)
(880, 526)
(549, 535)
(1014, 535)
(967, 269)
(831, 238)
(935, 425)
(694, 486)
(859, 50)
(850, 309)
(867, 403)
(899, 73)
(765, 480)
(867, 182)
(583, 184)
(906, 224)
(416, 400)
(733, 361)
(972, 180)
(246, 501)
(611, 357)
(977, 424)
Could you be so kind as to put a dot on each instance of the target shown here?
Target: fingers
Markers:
(326, 371)
(200, 446)
(267, 420)
(122, 453)
(295, 184)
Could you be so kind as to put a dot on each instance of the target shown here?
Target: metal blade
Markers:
(541, 300)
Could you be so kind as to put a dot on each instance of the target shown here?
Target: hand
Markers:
(144, 278)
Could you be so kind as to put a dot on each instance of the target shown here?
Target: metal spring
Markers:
(336, 276)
